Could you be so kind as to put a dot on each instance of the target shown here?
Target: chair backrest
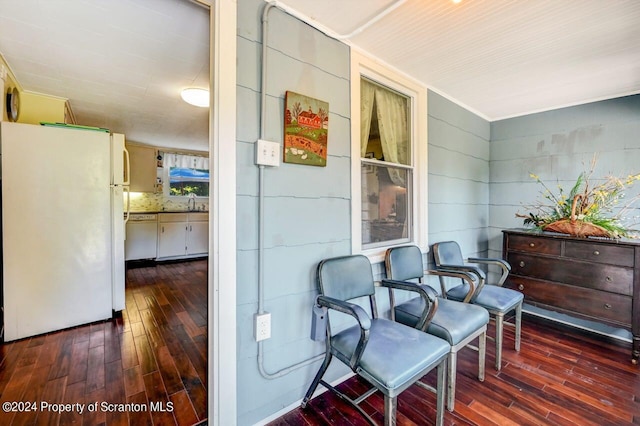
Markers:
(345, 278)
(404, 263)
(447, 253)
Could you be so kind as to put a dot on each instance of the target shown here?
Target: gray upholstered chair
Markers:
(388, 355)
(458, 323)
(498, 300)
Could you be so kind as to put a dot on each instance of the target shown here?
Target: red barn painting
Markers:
(306, 127)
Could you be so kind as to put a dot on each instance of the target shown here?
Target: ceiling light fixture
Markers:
(196, 96)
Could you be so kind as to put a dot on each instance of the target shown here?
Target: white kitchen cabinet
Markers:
(171, 240)
(198, 234)
(172, 235)
(182, 235)
(143, 167)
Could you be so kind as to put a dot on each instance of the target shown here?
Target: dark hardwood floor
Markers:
(560, 377)
(153, 358)
(157, 352)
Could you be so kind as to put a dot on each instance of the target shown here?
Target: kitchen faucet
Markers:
(191, 206)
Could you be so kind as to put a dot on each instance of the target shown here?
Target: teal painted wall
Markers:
(307, 209)
(557, 145)
(459, 154)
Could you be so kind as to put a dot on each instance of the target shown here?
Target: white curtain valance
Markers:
(186, 161)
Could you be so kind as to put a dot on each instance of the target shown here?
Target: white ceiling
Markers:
(499, 58)
(122, 63)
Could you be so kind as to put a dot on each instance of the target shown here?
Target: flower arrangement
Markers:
(588, 209)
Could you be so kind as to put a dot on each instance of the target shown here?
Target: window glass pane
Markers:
(186, 181)
(386, 207)
(384, 127)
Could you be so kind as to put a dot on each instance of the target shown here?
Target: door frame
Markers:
(221, 359)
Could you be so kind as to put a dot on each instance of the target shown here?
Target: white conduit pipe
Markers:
(307, 20)
(263, 106)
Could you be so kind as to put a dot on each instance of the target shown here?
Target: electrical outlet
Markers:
(262, 326)
(267, 153)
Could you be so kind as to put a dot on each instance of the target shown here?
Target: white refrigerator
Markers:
(63, 218)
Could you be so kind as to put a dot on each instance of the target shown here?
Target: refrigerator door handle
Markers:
(127, 170)
(127, 211)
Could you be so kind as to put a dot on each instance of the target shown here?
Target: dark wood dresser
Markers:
(590, 278)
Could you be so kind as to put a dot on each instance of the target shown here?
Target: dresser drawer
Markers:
(596, 304)
(611, 254)
(614, 279)
(595, 279)
(535, 244)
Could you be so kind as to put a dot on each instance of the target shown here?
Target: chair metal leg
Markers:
(518, 326)
(317, 379)
(390, 410)
(451, 376)
(440, 390)
(482, 350)
(499, 330)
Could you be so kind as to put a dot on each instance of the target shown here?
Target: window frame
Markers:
(371, 69)
(166, 187)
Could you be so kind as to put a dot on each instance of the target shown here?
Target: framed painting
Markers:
(306, 126)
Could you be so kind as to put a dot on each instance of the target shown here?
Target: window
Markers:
(187, 181)
(386, 167)
(186, 174)
(388, 159)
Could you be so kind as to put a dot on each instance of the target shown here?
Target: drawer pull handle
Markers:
(607, 306)
(520, 287)
(521, 264)
(532, 244)
(596, 253)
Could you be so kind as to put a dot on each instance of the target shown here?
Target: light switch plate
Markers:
(267, 153)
